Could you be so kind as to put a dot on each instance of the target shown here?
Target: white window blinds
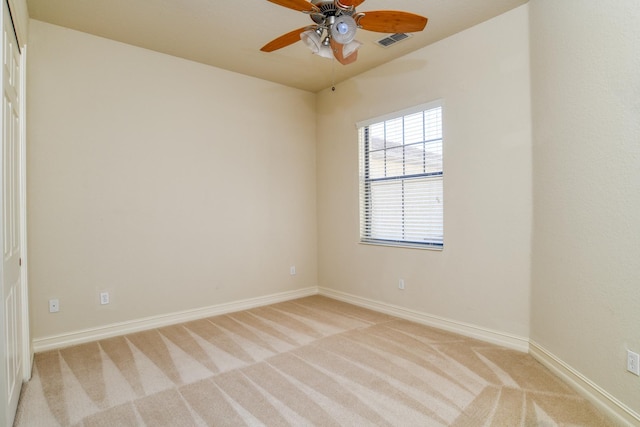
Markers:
(401, 179)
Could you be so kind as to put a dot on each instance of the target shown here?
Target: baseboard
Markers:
(608, 404)
(117, 329)
(615, 409)
(473, 331)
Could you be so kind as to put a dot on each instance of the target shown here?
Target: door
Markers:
(12, 292)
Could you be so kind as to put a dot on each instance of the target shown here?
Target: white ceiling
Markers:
(229, 34)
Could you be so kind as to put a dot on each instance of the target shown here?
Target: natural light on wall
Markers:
(401, 178)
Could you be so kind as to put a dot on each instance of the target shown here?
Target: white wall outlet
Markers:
(633, 362)
(104, 298)
(292, 270)
(54, 305)
(401, 284)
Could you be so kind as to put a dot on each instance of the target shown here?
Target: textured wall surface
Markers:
(586, 152)
(156, 179)
(170, 184)
(482, 276)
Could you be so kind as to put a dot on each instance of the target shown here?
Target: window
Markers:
(401, 179)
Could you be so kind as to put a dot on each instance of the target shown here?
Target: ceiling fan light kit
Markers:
(343, 30)
(335, 25)
(312, 40)
(317, 46)
(350, 48)
(325, 52)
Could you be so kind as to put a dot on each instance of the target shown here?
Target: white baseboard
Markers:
(608, 404)
(495, 337)
(598, 396)
(122, 328)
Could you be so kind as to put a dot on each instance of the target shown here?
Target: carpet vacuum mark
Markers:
(312, 361)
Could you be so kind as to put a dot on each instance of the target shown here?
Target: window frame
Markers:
(365, 180)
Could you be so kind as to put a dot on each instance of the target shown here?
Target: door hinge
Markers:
(20, 262)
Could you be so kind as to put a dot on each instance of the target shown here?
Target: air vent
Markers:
(393, 39)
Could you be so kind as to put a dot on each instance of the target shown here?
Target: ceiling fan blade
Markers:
(284, 40)
(354, 3)
(299, 5)
(337, 52)
(392, 21)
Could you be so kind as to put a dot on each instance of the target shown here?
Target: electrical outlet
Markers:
(401, 284)
(54, 305)
(104, 298)
(633, 362)
(292, 270)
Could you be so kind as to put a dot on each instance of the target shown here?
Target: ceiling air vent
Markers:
(393, 39)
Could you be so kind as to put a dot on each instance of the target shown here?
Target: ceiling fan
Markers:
(335, 24)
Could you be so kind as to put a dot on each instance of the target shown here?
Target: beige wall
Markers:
(134, 187)
(171, 184)
(20, 18)
(586, 153)
(482, 276)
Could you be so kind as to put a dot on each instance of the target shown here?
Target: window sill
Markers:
(427, 247)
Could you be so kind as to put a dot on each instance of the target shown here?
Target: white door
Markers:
(12, 303)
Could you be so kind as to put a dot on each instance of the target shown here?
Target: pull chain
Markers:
(333, 74)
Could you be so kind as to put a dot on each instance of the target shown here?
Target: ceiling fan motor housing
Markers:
(336, 19)
(327, 9)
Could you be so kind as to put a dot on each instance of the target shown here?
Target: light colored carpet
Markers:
(312, 361)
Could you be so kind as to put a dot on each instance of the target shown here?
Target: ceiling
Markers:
(229, 34)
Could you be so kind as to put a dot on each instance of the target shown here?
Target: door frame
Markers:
(19, 20)
(19, 312)
(27, 351)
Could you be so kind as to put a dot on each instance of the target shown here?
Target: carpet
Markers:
(308, 362)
